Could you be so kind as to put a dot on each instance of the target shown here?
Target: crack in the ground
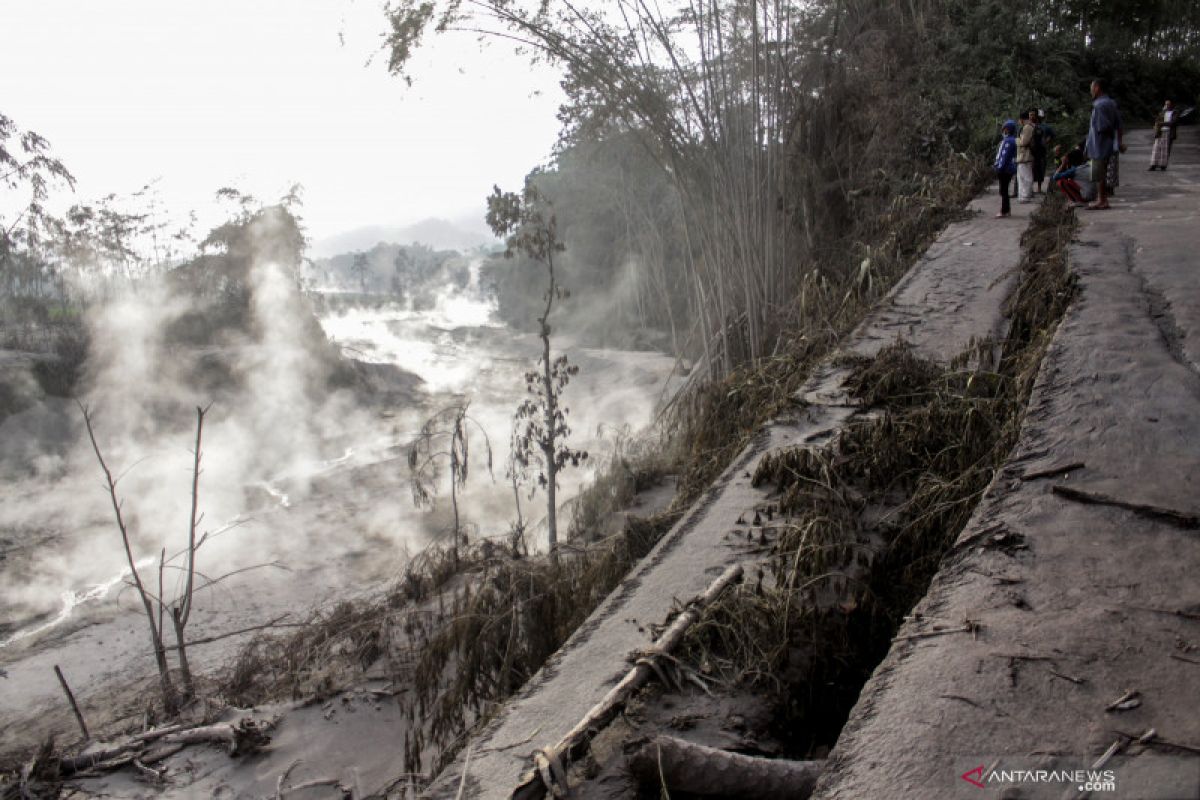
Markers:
(1160, 310)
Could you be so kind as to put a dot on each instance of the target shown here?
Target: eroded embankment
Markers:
(951, 298)
(1077, 569)
(970, 270)
(851, 535)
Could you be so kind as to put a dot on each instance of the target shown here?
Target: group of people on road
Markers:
(1089, 170)
(1023, 154)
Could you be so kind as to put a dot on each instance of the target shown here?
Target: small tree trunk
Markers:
(185, 670)
(548, 445)
(682, 766)
(517, 501)
(454, 505)
(170, 701)
(548, 448)
(182, 612)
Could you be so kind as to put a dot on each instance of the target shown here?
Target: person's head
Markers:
(1034, 118)
(1170, 104)
(1098, 87)
(1058, 150)
(1009, 127)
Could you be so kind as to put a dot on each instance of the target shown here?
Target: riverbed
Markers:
(304, 513)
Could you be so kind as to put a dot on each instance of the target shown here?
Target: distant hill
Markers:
(440, 234)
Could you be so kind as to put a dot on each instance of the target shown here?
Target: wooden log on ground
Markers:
(244, 737)
(533, 785)
(682, 766)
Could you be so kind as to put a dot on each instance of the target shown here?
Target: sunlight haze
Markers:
(263, 95)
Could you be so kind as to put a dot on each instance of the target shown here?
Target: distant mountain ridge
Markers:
(436, 232)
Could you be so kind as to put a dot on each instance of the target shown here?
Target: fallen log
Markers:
(548, 771)
(246, 736)
(681, 766)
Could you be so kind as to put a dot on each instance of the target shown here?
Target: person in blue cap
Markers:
(1006, 164)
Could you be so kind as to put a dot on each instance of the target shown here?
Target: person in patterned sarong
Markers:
(1164, 135)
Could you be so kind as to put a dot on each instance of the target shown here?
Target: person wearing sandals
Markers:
(1104, 138)
(1006, 164)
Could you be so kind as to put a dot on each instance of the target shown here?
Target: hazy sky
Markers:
(263, 94)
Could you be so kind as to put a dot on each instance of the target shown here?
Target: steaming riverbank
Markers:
(323, 525)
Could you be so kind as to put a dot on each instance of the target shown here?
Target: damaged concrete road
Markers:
(1089, 635)
(952, 297)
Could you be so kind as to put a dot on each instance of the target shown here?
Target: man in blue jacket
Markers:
(1104, 138)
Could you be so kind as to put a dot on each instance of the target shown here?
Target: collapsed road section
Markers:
(952, 298)
(1080, 674)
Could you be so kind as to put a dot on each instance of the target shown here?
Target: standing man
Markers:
(1025, 160)
(1104, 136)
(1047, 133)
(1039, 150)
(1171, 120)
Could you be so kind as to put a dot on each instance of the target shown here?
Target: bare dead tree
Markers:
(154, 622)
(180, 607)
(181, 611)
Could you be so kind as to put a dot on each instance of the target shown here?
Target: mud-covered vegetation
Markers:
(457, 633)
(860, 525)
(737, 182)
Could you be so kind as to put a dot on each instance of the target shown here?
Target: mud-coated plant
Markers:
(444, 442)
(540, 439)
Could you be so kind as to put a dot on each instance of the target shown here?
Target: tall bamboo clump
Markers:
(709, 85)
(732, 66)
